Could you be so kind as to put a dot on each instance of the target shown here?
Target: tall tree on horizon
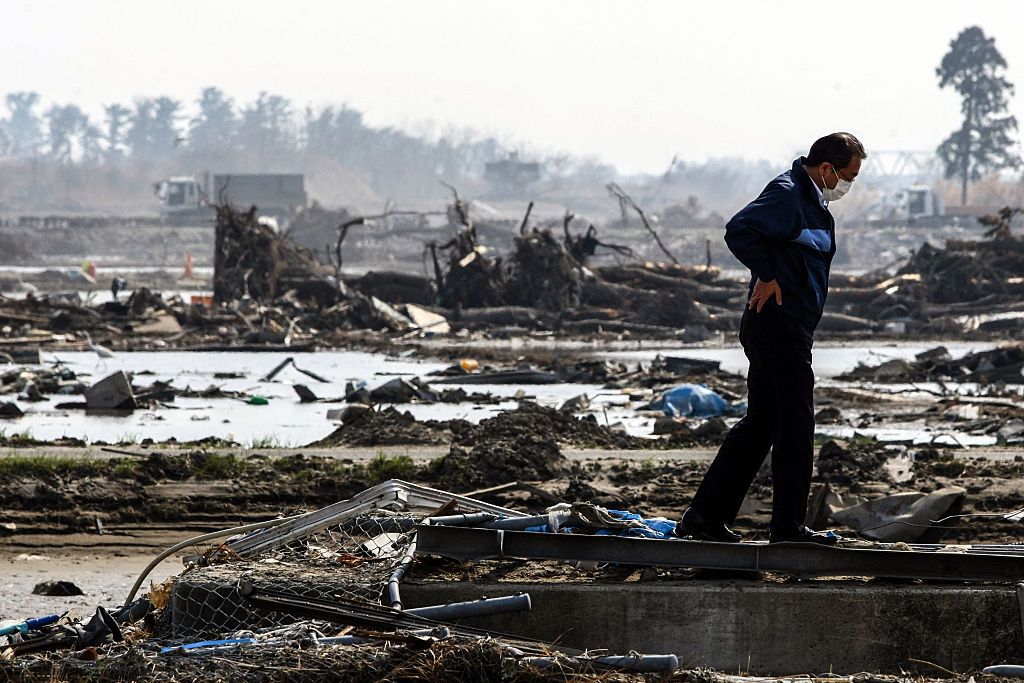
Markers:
(90, 137)
(983, 143)
(65, 125)
(215, 126)
(267, 127)
(168, 136)
(153, 132)
(24, 127)
(116, 118)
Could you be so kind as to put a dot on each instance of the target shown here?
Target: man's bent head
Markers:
(834, 163)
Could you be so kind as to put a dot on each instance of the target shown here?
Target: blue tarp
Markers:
(695, 400)
(654, 527)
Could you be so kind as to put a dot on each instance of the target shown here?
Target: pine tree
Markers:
(983, 143)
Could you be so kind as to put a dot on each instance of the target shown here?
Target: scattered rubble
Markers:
(958, 288)
(270, 292)
(328, 584)
(1002, 364)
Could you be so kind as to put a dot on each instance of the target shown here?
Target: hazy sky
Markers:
(629, 82)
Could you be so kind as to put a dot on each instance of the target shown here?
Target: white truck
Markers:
(914, 204)
(188, 198)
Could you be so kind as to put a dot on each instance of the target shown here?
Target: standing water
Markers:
(284, 421)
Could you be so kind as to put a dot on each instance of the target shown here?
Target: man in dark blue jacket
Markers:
(786, 237)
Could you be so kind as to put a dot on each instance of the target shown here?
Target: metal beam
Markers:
(803, 559)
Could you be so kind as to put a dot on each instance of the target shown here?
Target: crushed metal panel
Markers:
(393, 494)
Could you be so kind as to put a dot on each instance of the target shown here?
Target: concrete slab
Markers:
(763, 628)
(756, 627)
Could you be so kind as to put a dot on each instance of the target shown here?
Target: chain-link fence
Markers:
(351, 561)
(348, 551)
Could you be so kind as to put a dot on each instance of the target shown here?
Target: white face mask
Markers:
(837, 192)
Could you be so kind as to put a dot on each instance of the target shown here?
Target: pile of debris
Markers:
(321, 601)
(1004, 363)
(268, 291)
(943, 290)
(544, 283)
(254, 262)
(542, 274)
(251, 260)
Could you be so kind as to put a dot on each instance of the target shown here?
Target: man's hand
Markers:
(763, 291)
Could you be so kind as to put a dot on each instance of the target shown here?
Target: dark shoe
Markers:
(696, 526)
(805, 535)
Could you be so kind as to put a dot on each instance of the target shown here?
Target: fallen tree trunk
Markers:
(704, 274)
(516, 316)
(720, 295)
(640, 277)
(676, 308)
(397, 288)
(591, 326)
(851, 295)
(986, 304)
(837, 322)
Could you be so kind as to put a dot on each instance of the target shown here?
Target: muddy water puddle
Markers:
(287, 422)
(282, 422)
(829, 360)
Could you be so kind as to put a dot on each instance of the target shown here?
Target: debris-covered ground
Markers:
(268, 291)
(249, 603)
(457, 661)
(912, 448)
(450, 661)
(539, 447)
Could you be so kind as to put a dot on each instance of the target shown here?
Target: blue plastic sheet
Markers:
(654, 527)
(693, 400)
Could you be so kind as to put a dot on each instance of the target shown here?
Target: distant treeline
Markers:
(269, 131)
(59, 158)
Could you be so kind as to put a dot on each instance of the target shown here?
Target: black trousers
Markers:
(780, 417)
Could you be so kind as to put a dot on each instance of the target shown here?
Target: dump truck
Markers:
(189, 198)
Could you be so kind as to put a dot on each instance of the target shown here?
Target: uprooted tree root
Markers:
(252, 259)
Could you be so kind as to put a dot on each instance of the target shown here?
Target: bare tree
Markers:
(626, 200)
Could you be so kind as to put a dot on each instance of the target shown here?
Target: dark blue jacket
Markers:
(786, 234)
